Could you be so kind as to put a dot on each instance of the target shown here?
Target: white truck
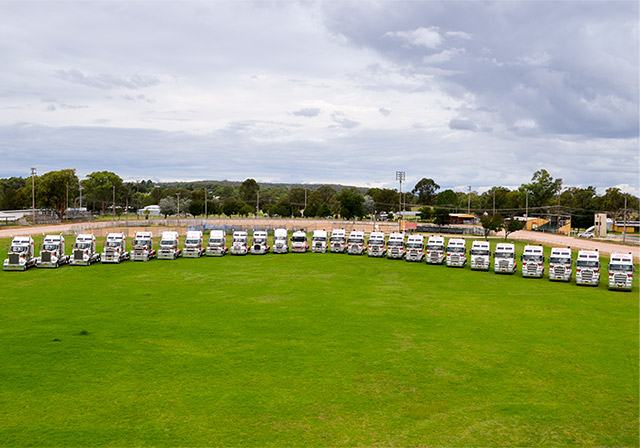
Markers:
(560, 264)
(52, 253)
(143, 247)
(338, 241)
(169, 250)
(415, 248)
(532, 261)
(280, 241)
(456, 253)
(621, 269)
(217, 245)
(588, 268)
(21, 254)
(240, 244)
(375, 245)
(299, 242)
(319, 241)
(435, 250)
(395, 246)
(480, 256)
(84, 250)
(115, 249)
(355, 243)
(193, 244)
(260, 244)
(504, 259)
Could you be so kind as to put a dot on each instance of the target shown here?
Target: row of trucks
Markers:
(21, 254)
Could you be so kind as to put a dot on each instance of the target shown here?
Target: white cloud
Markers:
(420, 37)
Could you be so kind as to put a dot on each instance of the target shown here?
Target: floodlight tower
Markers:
(400, 176)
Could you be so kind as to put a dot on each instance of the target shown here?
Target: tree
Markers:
(351, 203)
(512, 225)
(296, 198)
(369, 206)
(13, 193)
(447, 198)
(386, 199)
(425, 213)
(99, 185)
(426, 191)
(324, 211)
(249, 191)
(542, 189)
(441, 217)
(491, 223)
(168, 206)
(52, 189)
(325, 195)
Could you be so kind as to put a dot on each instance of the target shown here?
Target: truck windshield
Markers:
(259, 240)
(281, 238)
(192, 242)
(167, 243)
(215, 241)
(529, 257)
(621, 267)
(83, 245)
(587, 264)
(455, 250)
(140, 242)
(239, 240)
(356, 240)
(299, 239)
(559, 260)
(50, 246)
(435, 247)
(113, 244)
(480, 252)
(18, 249)
(414, 246)
(377, 242)
(319, 238)
(394, 244)
(505, 255)
(337, 239)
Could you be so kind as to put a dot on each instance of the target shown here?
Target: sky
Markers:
(466, 93)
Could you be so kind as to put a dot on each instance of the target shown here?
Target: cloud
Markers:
(384, 112)
(105, 81)
(307, 112)
(420, 37)
(344, 122)
(462, 124)
(443, 56)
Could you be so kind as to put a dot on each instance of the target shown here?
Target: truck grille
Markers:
(455, 258)
(620, 278)
(78, 255)
(14, 259)
(587, 276)
(559, 270)
(503, 264)
(139, 252)
(257, 247)
(45, 257)
(434, 258)
(479, 263)
(532, 268)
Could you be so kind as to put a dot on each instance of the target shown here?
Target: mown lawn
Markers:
(312, 350)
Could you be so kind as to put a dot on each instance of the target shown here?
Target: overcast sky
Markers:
(466, 93)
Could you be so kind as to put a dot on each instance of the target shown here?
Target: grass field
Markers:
(312, 350)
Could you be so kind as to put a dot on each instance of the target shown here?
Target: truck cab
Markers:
(319, 241)
(143, 247)
(52, 252)
(588, 268)
(395, 246)
(532, 261)
(217, 245)
(504, 259)
(115, 249)
(375, 245)
(169, 246)
(193, 244)
(355, 243)
(415, 248)
(560, 264)
(299, 242)
(456, 253)
(480, 255)
(260, 244)
(280, 241)
(239, 246)
(21, 254)
(621, 269)
(435, 250)
(84, 250)
(338, 241)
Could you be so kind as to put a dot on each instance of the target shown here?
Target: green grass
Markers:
(312, 350)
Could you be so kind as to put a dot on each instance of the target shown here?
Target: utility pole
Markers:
(494, 201)
(624, 222)
(206, 214)
(400, 176)
(258, 202)
(114, 203)
(558, 213)
(469, 201)
(178, 194)
(66, 203)
(33, 195)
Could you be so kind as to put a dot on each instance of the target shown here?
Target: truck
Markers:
(52, 253)
(319, 241)
(143, 247)
(217, 245)
(193, 244)
(338, 241)
(84, 250)
(560, 264)
(395, 246)
(456, 253)
(21, 254)
(115, 249)
(504, 259)
(588, 268)
(299, 242)
(480, 256)
(375, 245)
(355, 243)
(260, 244)
(532, 261)
(169, 246)
(621, 269)
(280, 241)
(415, 248)
(435, 250)
(240, 244)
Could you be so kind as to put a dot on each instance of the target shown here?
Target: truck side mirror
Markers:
(609, 267)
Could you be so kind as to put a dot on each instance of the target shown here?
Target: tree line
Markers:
(61, 190)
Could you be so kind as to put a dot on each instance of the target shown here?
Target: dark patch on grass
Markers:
(56, 340)
(83, 333)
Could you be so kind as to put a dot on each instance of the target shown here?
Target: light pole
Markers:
(206, 214)
(114, 203)
(400, 176)
(624, 222)
(80, 188)
(178, 194)
(469, 201)
(33, 195)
